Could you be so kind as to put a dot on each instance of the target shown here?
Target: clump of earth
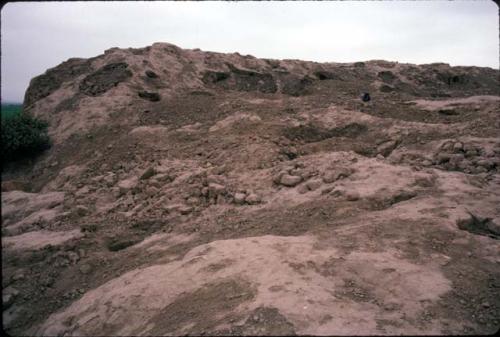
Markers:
(193, 192)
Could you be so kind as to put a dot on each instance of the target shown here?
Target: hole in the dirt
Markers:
(480, 226)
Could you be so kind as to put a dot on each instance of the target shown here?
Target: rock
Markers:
(386, 148)
(239, 198)
(447, 146)
(443, 157)
(313, 184)
(289, 180)
(81, 210)
(277, 177)
(493, 226)
(193, 201)
(486, 163)
(480, 169)
(456, 159)
(151, 191)
(327, 190)
(117, 244)
(73, 257)
(379, 156)
(148, 173)
(426, 163)
(12, 185)
(150, 96)
(185, 209)
(458, 146)
(215, 189)
(127, 185)
(330, 177)
(485, 305)
(109, 179)
(302, 189)
(8, 297)
(253, 199)
(468, 147)
(85, 268)
(386, 88)
(18, 276)
(352, 196)
(151, 74)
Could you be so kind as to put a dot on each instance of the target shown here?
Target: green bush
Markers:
(23, 136)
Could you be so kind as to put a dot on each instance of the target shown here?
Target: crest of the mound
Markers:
(117, 87)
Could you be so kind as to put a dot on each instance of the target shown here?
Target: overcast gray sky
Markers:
(40, 35)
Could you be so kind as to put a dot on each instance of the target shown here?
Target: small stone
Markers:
(386, 148)
(7, 300)
(313, 184)
(185, 210)
(485, 305)
(18, 276)
(447, 146)
(352, 196)
(486, 163)
(148, 173)
(215, 189)
(193, 201)
(85, 268)
(327, 190)
(81, 210)
(289, 180)
(302, 189)
(426, 163)
(239, 198)
(379, 157)
(443, 158)
(252, 199)
(458, 146)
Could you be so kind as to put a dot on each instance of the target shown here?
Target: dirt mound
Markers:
(192, 192)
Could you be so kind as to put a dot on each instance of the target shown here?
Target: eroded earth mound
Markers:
(193, 192)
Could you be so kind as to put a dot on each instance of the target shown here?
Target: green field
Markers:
(9, 110)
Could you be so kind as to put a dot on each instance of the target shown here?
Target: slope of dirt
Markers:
(192, 192)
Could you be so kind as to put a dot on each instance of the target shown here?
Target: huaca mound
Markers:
(193, 192)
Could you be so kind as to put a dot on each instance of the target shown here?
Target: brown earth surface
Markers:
(192, 192)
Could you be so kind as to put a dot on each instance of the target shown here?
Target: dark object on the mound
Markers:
(365, 97)
(150, 96)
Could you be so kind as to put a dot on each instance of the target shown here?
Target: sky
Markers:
(36, 36)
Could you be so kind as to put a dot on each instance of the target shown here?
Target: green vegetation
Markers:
(23, 136)
(11, 110)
